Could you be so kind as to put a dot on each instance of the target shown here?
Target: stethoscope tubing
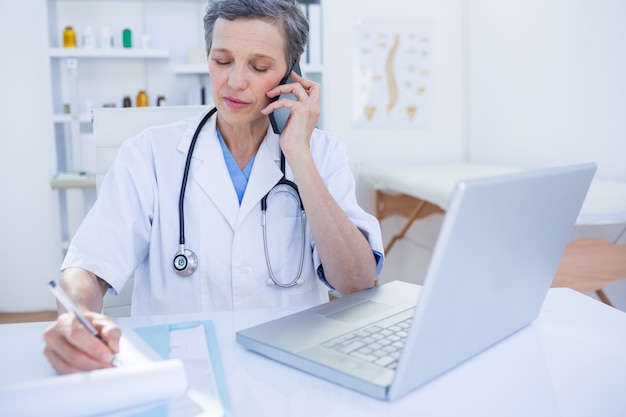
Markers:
(183, 186)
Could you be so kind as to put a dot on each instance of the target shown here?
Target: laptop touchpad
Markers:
(358, 312)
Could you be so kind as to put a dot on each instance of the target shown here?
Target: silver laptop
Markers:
(497, 252)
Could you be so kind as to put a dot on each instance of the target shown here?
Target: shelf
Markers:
(191, 69)
(129, 53)
(67, 118)
(64, 180)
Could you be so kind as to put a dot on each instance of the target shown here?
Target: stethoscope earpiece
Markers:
(185, 262)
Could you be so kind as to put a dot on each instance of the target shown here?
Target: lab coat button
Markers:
(245, 270)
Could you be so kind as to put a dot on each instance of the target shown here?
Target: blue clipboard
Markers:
(158, 338)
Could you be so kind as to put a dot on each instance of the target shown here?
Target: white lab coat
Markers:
(134, 224)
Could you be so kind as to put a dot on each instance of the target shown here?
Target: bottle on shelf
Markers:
(69, 37)
(146, 41)
(89, 41)
(142, 99)
(106, 39)
(127, 38)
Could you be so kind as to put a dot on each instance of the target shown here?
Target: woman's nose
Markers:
(237, 78)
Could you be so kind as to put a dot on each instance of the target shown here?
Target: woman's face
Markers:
(246, 60)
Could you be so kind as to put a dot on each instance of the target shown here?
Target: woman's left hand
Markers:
(305, 113)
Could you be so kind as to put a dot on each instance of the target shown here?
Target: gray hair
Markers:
(286, 14)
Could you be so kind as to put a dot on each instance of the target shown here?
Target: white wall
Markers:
(547, 82)
(30, 252)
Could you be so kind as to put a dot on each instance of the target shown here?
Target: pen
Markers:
(67, 302)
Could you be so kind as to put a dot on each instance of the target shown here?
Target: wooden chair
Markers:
(590, 264)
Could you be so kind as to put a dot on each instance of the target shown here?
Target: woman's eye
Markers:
(221, 62)
(260, 69)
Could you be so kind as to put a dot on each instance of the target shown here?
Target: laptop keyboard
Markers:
(379, 343)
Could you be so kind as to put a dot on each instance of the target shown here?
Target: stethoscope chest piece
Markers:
(185, 262)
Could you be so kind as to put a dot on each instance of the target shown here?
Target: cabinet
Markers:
(166, 59)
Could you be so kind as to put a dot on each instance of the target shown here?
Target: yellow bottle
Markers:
(142, 99)
(69, 37)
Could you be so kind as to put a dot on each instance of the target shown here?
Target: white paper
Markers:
(140, 381)
(94, 393)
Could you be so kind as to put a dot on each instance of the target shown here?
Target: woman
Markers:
(251, 45)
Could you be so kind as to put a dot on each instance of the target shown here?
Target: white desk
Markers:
(570, 362)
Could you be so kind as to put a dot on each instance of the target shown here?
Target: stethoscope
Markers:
(186, 262)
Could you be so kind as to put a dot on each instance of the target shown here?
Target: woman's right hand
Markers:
(71, 348)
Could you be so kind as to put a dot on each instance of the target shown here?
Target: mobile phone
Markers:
(279, 117)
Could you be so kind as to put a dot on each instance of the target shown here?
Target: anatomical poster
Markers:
(392, 74)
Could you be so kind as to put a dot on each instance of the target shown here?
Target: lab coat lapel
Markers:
(265, 174)
(209, 171)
